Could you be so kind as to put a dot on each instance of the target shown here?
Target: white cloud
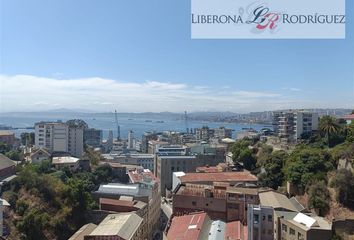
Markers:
(32, 93)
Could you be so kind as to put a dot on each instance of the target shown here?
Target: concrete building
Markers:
(244, 178)
(294, 125)
(3, 204)
(83, 231)
(143, 186)
(7, 167)
(60, 137)
(222, 132)
(72, 163)
(76, 141)
(93, 137)
(295, 225)
(279, 218)
(131, 140)
(36, 156)
(8, 137)
(199, 226)
(260, 222)
(147, 136)
(141, 159)
(52, 136)
(122, 226)
(219, 201)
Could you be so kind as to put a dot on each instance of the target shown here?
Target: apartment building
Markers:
(279, 218)
(93, 137)
(219, 201)
(300, 226)
(52, 136)
(294, 125)
(59, 137)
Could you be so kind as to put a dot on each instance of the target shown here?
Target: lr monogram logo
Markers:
(263, 18)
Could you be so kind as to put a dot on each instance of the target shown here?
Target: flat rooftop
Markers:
(218, 177)
(123, 225)
(64, 160)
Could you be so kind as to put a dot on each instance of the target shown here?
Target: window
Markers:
(194, 203)
(270, 218)
(270, 231)
(263, 217)
(284, 228)
(292, 231)
(300, 236)
(256, 218)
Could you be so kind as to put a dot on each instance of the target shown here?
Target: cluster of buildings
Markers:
(229, 205)
(126, 210)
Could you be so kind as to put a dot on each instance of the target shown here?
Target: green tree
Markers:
(343, 182)
(350, 133)
(273, 175)
(14, 155)
(328, 125)
(4, 148)
(318, 197)
(248, 160)
(27, 138)
(33, 224)
(306, 164)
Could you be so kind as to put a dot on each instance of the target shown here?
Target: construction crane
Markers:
(118, 127)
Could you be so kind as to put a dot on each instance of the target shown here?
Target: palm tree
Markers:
(329, 125)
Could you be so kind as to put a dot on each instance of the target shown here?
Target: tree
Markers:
(306, 164)
(14, 155)
(350, 133)
(27, 138)
(328, 125)
(318, 197)
(273, 175)
(33, 224)
(4, 148)
(77, 123)
(343, 182)
(246, 157)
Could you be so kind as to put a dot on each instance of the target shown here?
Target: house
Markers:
(7, 167)
(72, 163)
(38, 155)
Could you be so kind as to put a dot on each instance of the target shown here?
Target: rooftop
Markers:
(276, 200)
(83, 231)
(219, 177)
(199, 226)
(186, 227)
(64, 160)
(6, 133)
(349, 117)
(5, 162)
(144, 176)
(123, 225)
(123, 202)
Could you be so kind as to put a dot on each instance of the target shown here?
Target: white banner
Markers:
(268, 19)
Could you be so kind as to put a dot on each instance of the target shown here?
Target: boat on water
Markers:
(148, 120)
(160, 121)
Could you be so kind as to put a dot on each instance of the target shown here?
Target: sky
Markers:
(138, 56)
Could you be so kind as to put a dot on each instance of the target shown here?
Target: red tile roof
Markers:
(138, 176)
(349, 117)
(187, 227)
(116, 202)
(218, 177)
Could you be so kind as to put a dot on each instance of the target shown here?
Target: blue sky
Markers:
(138, 56)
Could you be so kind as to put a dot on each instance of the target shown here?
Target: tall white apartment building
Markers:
(52, 136)
(76, 141)
(60, 137)
(293, 125)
